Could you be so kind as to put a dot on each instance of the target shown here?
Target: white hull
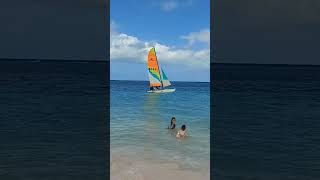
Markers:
(162, 91)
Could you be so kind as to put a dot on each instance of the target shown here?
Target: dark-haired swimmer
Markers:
(173, 123)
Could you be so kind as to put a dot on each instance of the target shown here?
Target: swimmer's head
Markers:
(173, 120)
(183, 127)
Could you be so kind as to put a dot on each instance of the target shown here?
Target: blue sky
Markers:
(179, 29)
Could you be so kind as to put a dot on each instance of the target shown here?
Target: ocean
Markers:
(54, 124)
(54, 120)
(139, 122)
(265, 121)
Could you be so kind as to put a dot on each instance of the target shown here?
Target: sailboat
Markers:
(159, 81)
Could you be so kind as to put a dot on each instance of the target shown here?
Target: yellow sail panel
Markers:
(153, 68)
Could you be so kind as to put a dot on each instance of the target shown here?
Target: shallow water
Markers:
(139, 123)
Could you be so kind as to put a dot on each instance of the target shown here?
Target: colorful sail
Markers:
(165, 80)
(153, 68)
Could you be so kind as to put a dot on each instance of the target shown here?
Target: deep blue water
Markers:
(139, 121)
(53, 120)
(266, 122)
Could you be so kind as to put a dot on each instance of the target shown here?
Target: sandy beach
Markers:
(124, 167)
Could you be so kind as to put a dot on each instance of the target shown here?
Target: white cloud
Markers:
(201, 36)
(124, 47)
(169, 5)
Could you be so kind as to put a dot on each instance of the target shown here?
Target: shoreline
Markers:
(125, 167)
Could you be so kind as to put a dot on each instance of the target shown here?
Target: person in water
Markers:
(173, 123)
(182, 132)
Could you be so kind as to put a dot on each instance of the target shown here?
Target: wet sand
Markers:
(129, 168)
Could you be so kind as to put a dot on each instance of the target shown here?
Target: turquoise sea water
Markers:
(139, 122)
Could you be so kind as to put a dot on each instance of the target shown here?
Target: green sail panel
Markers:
(154, 78)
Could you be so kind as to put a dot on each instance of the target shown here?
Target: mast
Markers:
(158, 66)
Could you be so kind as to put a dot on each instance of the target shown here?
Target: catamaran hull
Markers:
(162, 91)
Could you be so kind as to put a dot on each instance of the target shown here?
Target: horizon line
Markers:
(262, 64)
(108, 60)
(148, 81)
(53, 59)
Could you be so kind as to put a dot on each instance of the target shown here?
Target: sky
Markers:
(60, 29)
(178, 29)
(267, 31)
(248, 31)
